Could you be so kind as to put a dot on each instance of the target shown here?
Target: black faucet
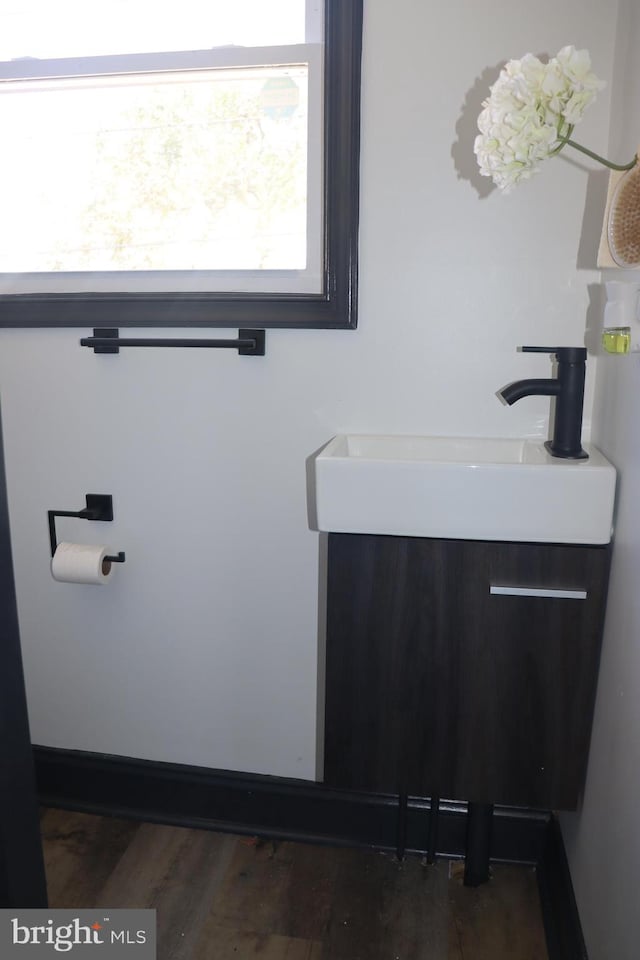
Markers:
(568, 389)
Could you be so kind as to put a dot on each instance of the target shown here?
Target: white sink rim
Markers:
(465, 451)
(463, 488)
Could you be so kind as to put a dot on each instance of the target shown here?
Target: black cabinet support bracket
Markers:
(479, 823)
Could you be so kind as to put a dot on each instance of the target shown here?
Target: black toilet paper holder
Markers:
(99, 507)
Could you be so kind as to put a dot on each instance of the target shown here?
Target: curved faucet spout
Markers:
(529, 388)
(568, 389)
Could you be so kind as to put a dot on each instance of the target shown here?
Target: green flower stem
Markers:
(595, 156)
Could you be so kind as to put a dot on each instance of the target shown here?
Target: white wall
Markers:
(603, 840)
(204, 647)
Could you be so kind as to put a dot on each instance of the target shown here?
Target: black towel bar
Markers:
(250, 343)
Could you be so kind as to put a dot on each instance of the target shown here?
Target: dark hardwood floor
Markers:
(220, 896)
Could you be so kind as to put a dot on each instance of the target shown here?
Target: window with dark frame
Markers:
(293, 109)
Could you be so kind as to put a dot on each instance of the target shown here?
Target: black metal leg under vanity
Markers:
(402, 827)
(403, 809)
(432, 842)
(479, 822)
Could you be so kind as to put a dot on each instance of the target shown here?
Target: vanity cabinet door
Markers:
(438, 686)
(392, 630)
(527, 668)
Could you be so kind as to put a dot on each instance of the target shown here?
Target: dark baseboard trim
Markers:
(559, 908)
(269, 806)
(305, 811)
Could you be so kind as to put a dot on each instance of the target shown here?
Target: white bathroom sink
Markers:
(463, 488)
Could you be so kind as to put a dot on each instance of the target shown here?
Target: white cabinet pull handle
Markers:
(535, 592)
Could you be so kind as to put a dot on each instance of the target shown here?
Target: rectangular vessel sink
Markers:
(463, 488)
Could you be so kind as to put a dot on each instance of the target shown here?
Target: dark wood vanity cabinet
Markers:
(437, 686)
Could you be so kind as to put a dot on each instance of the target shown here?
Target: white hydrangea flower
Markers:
(532, 109)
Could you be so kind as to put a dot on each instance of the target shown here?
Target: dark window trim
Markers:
(335, 308)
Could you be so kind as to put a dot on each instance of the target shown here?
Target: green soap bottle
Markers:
(617, 340)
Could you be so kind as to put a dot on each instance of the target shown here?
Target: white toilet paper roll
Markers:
(81, 563)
